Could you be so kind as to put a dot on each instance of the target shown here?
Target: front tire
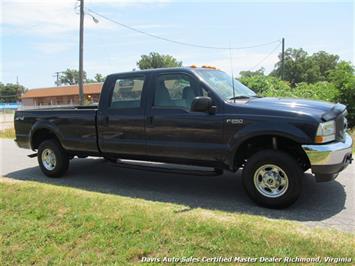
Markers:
(52, 158)
(272, 179)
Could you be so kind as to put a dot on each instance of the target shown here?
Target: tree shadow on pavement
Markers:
(318, 201)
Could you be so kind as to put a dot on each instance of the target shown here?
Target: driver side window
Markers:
(176, 91)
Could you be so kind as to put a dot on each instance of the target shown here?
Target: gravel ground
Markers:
(328, 204)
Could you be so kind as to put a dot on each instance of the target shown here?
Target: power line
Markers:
(266, 57)
(179, 42)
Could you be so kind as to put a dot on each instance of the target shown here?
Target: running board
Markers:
(32, 155)
(167, 170)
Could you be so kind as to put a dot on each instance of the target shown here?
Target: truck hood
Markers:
(317, 109)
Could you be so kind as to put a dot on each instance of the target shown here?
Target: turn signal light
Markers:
(319, 139)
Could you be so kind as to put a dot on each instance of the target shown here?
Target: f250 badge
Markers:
(235, 121)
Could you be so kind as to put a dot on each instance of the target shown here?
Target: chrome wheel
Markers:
(48, 159)
(271, 181)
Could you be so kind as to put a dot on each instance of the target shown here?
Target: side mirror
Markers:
(203, 104)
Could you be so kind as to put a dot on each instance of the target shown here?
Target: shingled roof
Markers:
(89, 88)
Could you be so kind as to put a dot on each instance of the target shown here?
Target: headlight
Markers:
(325, 132)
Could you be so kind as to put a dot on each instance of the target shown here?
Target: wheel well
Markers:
(258, 143)
(41, 135)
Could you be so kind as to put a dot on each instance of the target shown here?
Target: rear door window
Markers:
(127, 92)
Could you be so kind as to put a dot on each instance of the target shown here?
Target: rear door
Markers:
(121, 123)
(172, 130)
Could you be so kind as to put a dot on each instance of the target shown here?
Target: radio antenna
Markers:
(231, 61)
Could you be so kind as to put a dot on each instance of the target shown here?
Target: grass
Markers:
(352, 133)
(8, 133)
(46, 224)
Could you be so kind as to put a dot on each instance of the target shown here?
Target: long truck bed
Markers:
(74, 126)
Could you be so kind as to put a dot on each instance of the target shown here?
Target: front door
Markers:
(173, 131)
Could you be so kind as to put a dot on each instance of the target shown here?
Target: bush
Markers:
(273, 87)
(263, 84)
(340, 88)
(347, 97)
(343, 78)
(324, 91)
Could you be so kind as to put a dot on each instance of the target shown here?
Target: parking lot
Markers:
(329, 204)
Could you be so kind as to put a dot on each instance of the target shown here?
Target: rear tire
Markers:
(52, 158)
(272, 179)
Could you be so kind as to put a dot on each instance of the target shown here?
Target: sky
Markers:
(39, 38)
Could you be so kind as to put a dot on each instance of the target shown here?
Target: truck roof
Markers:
(167, 69)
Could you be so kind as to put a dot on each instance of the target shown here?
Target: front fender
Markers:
(244, 134)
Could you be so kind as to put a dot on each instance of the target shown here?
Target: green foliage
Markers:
(320, 76)
(342, 74)
(99, 78)
(322, 90)
(273, 87)
(156, 60)
(324, 63)
(263, 85)
(71, 77)
(343, 78)
(10, 92)
(301, 67)
(250, 73)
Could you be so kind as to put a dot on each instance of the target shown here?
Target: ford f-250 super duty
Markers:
(196, 116)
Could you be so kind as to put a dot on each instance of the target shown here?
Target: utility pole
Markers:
(81, 46)
(18, 94)
(283, 58)
(57, 77)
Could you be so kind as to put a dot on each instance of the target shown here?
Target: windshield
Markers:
(222, 84)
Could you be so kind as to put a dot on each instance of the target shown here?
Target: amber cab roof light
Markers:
(204, 66)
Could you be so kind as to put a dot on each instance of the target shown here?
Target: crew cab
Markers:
(196, 116)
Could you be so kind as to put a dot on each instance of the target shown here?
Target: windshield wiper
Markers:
(243, 97)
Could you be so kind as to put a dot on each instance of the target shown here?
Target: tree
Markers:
(294, 65)
(341, 74)
(262, 85)
(321, 90)
(250, 73)
(156, 60)
(325, 62)
(344, 79)
(301, 67)
(10, 92)
(71, 77)
(99, 77)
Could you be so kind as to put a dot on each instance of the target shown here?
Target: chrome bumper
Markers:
(328, 160)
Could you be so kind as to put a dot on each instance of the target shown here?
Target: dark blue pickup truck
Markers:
(196, 116)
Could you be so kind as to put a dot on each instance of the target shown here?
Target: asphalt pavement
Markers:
(329, 204)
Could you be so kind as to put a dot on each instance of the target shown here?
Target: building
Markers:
(64, 95)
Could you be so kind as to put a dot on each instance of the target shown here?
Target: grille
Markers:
(341, 126)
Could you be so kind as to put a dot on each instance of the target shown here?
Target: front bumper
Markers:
(328, 160)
